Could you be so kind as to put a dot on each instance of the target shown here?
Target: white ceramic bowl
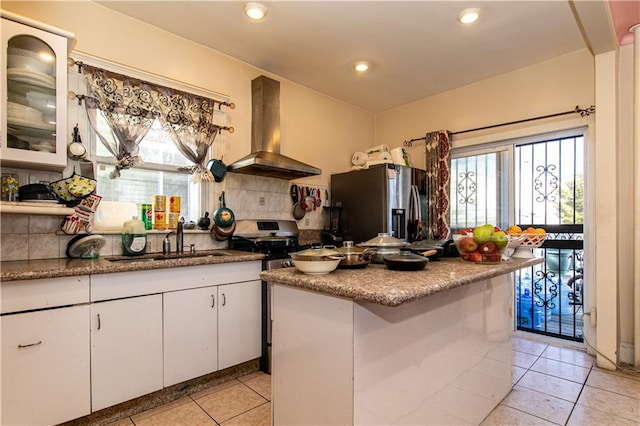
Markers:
(316, 267)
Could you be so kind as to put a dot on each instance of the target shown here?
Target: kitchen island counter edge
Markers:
(377, 284)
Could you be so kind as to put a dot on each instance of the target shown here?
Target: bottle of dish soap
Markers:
(134, 237)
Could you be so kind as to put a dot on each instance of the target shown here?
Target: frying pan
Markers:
(432, 251)
(405, 261)
(223, 217)
(299, 210)
(221, 233)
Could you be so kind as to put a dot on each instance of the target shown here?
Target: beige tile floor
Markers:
(552, 385)
(245, 401)
(558, 385)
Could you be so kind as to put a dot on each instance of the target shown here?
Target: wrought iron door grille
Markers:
(549, 296)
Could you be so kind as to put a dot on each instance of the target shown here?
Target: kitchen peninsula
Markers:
(375, 346)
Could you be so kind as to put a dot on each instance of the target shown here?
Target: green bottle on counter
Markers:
(134, 237)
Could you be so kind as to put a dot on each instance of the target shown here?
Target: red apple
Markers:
(467, 245)
(475, 257)
(488, 248)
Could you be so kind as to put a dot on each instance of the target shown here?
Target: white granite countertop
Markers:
(51, 268)
(377, 284)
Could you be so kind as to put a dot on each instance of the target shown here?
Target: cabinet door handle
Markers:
(224, 299)
(30, 344)
(213, 301)
(98, 321)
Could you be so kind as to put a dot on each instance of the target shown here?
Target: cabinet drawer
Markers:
(139, 283)
(27, 295)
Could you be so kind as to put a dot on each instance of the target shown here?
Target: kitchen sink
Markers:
(150, 257)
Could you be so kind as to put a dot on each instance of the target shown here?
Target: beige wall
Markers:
(551, 86)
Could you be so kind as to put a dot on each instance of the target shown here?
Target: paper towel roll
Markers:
(358, 158)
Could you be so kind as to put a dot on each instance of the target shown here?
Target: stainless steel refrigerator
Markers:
(383, 198)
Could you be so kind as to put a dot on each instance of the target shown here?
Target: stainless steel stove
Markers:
(275, 239)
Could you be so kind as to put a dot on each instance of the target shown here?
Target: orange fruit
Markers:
(540, 231)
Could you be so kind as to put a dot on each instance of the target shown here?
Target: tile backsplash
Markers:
(24, 237)
(255, 197)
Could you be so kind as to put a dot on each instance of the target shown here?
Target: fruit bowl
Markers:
(529, 241)
(533, 240)
(516, 240)
(483, 250)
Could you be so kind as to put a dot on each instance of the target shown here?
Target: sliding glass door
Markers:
(534, 182)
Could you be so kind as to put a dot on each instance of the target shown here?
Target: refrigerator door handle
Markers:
(398, 223)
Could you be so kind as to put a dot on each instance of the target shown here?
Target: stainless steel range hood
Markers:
(265, 158)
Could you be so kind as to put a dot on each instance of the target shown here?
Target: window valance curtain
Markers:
(438, 165)
(130, 106)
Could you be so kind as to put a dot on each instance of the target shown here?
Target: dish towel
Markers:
(438, 165)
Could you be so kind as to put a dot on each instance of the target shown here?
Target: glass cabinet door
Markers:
(34, 98)
(31, 94)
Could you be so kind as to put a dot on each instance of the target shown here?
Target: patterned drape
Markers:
(127, 106)
(189, 121)
(130, 106)
(438, 165)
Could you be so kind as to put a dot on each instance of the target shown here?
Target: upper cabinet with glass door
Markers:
(33, 94)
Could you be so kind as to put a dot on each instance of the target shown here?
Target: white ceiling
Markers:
(416, 48)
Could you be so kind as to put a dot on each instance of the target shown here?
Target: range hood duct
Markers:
(265, 158)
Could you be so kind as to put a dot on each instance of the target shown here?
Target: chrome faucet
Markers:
(180, 236)
(166, 243)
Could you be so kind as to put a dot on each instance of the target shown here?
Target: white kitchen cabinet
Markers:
(211, 328)
(190, 334)
(45, 366)
(239, 323)
(33, 94)
(126, 349)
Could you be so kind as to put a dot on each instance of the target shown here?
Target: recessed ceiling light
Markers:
(361, 66)
(469, 16)
(255, 11)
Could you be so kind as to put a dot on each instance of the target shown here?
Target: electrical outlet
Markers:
(261, 201)
(306, 222)
(593, 318)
